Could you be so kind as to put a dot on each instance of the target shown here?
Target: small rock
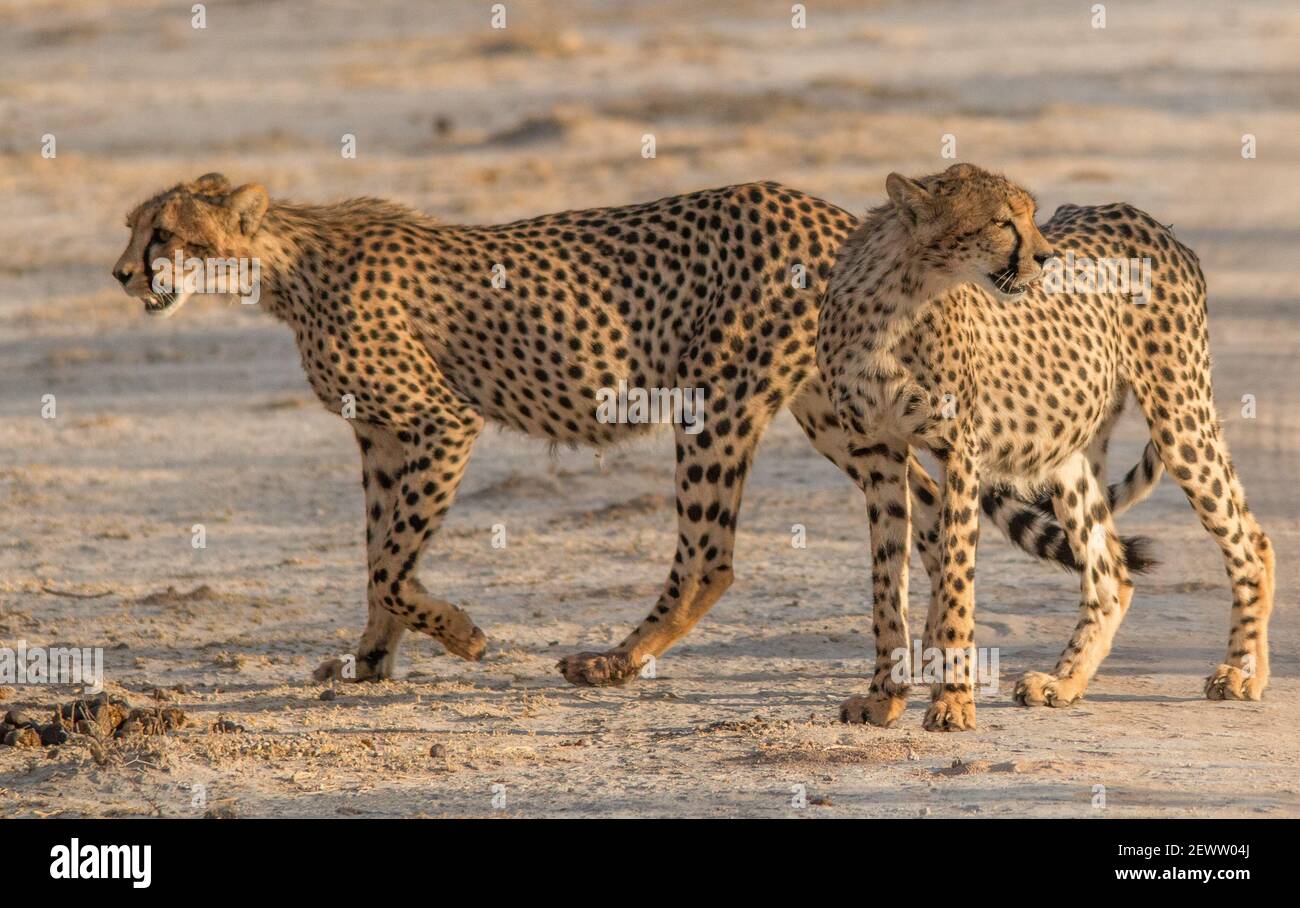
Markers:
(222, 810)
(53, 735)
(925, 811)
(438, 751)
(132, 727)
(329, 694)
(18, 718)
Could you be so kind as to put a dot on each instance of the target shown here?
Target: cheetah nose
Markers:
(1042, 257)
(122, 275)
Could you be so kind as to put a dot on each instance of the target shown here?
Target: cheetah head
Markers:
(972, 225)
(191, 223)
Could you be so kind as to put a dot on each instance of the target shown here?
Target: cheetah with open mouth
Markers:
(936, 331)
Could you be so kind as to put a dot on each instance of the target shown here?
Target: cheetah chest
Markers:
(1028, 379)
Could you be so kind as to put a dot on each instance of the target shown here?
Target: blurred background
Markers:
(206, 418)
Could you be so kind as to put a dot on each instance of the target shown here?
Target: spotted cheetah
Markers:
(431, 330)
(937, 330)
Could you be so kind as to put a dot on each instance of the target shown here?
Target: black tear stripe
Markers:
(1012, 267)
(148, 271)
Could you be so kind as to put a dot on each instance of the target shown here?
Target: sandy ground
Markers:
(207, 419)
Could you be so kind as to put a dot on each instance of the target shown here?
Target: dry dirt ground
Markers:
(206, 418)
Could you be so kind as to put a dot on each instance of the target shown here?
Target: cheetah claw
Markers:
(951, 711)
(1229, 682)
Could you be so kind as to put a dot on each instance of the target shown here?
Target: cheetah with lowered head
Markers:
(937, 331)
(403, 314)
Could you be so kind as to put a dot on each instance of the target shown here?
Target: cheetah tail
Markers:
(1028, 526)
(1033, 527)
(1139, 482)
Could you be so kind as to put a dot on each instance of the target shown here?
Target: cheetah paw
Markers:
(952, 710)
(348, 671)
(1042, 689)
(879, 708)
(470, 647)
(1228, 682)
(597, 669)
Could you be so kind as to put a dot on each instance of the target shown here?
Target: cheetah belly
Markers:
(543, 387)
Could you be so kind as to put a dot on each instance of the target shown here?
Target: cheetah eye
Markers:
(1002, 224)
(162, 235)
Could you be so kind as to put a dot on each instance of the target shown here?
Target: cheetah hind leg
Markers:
(1082, 508)
(709, 489)
(1231, 682)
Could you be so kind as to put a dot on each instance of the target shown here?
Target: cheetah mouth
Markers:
(162, 303)
(1006, 282)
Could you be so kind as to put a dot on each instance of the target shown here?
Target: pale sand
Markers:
(206, 418)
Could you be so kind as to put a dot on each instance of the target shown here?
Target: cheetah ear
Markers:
(248, 203)
(912, 201)
(210, 183)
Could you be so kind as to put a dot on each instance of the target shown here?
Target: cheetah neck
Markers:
(898, 278)
(891, 281)
(293, 237)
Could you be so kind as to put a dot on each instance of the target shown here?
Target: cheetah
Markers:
(938, 330)
(433, 330)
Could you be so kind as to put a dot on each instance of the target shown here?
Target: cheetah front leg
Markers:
(377, 651)
(889, 517)
(410, 479)
(950, 626)
(892, 514)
